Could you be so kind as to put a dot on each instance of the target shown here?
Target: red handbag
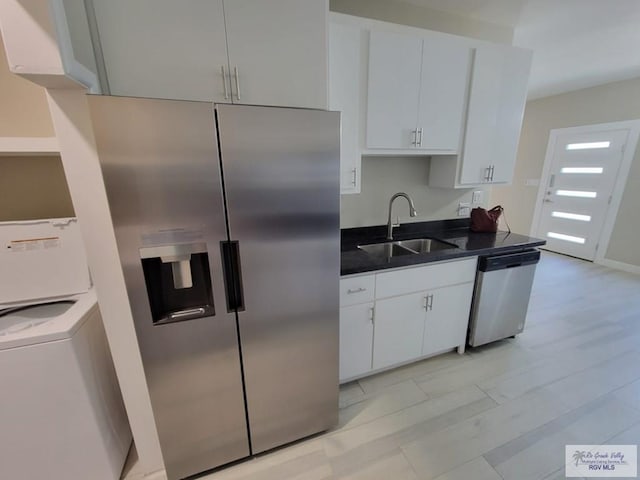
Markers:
(486, 221)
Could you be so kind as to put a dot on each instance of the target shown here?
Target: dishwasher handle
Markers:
(509, 260)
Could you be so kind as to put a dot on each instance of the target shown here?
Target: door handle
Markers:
(420, 140)
(236, 74)
(230, 251)
(224, 83)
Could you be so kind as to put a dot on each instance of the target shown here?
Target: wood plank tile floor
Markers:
(500, 412)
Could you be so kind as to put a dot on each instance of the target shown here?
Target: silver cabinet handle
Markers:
(493, 167)
(430, 304)
(224, 83)
(552, 181)
(487, 176)
(351, 291)
(425, 302)
(236, 74)
(415, 137)
(353, 179)
(372, 314)
(420, 140)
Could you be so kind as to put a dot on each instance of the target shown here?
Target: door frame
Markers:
(633, 127)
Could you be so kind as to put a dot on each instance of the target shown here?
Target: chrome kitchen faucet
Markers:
(412, 212)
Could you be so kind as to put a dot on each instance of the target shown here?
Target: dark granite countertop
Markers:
(456, 231)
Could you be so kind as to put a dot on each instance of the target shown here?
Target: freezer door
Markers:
(281, 172)
(161, 170)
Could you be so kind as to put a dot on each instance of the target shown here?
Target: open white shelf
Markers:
(29, 146)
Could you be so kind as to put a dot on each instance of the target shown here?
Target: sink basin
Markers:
(397, 248)
(386, 250)
(425, 245)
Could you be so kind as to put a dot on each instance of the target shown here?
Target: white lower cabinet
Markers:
(356, 340)
(398, 330)
(404, 314)
(447, 318)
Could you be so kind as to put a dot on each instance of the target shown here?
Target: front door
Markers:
(579, 187)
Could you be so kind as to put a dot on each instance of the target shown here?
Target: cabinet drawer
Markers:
(410, 280)
(357, 290)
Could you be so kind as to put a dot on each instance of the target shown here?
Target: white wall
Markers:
(397, 11)
(606, 103)
(23, 105)
(384, 176)
(72, 122)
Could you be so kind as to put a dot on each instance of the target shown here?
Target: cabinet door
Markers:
(280, 51)
(356, 340)
(398, 329)
(443, 87)
(394, 85)
(344, 96)
(447, 318)
(494, 118)
(164, 49)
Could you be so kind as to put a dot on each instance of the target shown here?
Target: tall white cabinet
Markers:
(498, 94)
(346, 82)
(236, 51)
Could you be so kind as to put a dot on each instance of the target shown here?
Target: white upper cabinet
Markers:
(417, 92)
(497, 98)
(496, 107)
(240, 51)
(164, 48)
(345, 54)
(394, 89)
(279, 49)
(443, 93)
(50, 43)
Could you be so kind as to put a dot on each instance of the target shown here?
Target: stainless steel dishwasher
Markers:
(501, 296)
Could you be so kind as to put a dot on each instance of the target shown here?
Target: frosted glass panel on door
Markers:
(578, 190)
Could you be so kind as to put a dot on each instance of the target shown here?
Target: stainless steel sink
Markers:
(397, 248)
(387, 249)
(425, 245)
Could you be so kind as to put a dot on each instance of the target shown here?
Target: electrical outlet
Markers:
(464, 209)
(476, 197)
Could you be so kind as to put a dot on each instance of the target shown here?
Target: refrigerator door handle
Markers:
(230, 251)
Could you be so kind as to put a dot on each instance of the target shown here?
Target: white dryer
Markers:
(61, 413)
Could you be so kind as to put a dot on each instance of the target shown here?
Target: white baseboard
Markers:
(625, 267)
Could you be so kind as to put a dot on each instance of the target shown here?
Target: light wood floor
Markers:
(505, 411)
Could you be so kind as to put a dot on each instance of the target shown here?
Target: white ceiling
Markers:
(576, 43)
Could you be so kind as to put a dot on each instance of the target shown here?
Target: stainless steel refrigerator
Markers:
(227, 225)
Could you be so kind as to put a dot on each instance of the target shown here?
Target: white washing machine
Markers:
(61, 413)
